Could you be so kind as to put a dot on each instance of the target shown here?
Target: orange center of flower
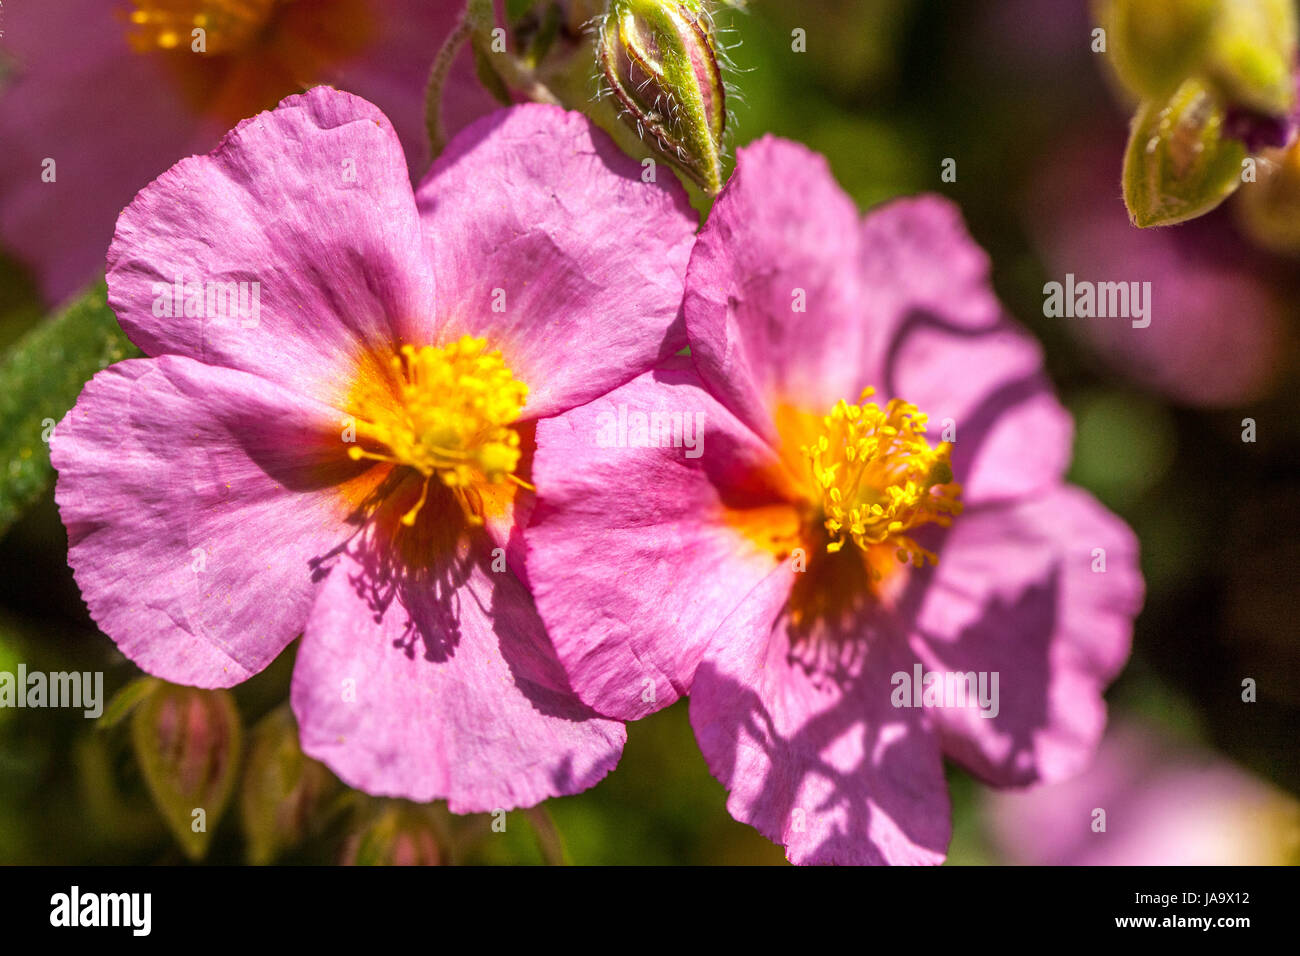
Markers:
(452, 421)
(877, 477)
(226, 26)
(232, 58)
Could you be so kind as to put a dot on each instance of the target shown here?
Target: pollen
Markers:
(228, 25)
(879, 478)
(452, 423)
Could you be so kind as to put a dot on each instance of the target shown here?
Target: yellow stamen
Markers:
(878, 478)
(453, 421)
(228, 25)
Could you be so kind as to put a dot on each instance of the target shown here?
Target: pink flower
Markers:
(1165, 804)
(722, 527)
(1217, 310)
(113, 92)
(347, 458)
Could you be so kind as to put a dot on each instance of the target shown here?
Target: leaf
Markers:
(125, 701)
(489, 77)
(40, 379)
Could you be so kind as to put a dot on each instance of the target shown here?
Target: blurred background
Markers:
(889, 89)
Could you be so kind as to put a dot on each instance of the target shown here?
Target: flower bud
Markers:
(1156, 44)
(395, 833)
(1269, 209)
(1179, 163)
(282, 788)
(1244, 50)
(187, 744)
(660, 61)
(1253, 55)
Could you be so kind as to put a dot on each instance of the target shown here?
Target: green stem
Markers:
(548, 837)
(438, 73)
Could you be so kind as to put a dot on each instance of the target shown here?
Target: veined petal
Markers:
(196, 501)
(446, 691)
(311, 202)
(546, 241)
(807, 741)
(640, 547)
(1043, 592)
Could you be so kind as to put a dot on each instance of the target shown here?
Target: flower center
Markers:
(879, 478)
(452, 422)
(228, 25)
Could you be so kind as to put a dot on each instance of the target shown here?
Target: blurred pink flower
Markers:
(779, 566)
(1218, 334)
(340, 459)
(114, 102)
(1166, 804)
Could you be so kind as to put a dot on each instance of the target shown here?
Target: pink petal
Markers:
(630, 554)
(196, 499)
(1220, 330)
(337, 253)
(784, 237)
(987, 392)
(1016, 592)
(443, 689)
(813, 753)
(393, 72)
(546, 241)
(782, 227)
(114, 119)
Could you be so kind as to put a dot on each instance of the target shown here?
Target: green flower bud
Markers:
(282, 788)
(1179, 164)
(187, 744)
(1269, 209)
(1245, 49)
(1156, 44)
(1253, 55)
(660, 60)
(395, 833)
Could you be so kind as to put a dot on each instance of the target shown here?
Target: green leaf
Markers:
(125, 701)
(40, 379)
(487, 75)
(1178, 164)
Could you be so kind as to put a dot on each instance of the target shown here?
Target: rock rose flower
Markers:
(344, 454)
(822, 567)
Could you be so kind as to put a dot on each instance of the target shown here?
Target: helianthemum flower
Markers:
(831, 572)
(97, 97)
(332, 434)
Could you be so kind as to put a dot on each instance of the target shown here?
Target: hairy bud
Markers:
(660, 60)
